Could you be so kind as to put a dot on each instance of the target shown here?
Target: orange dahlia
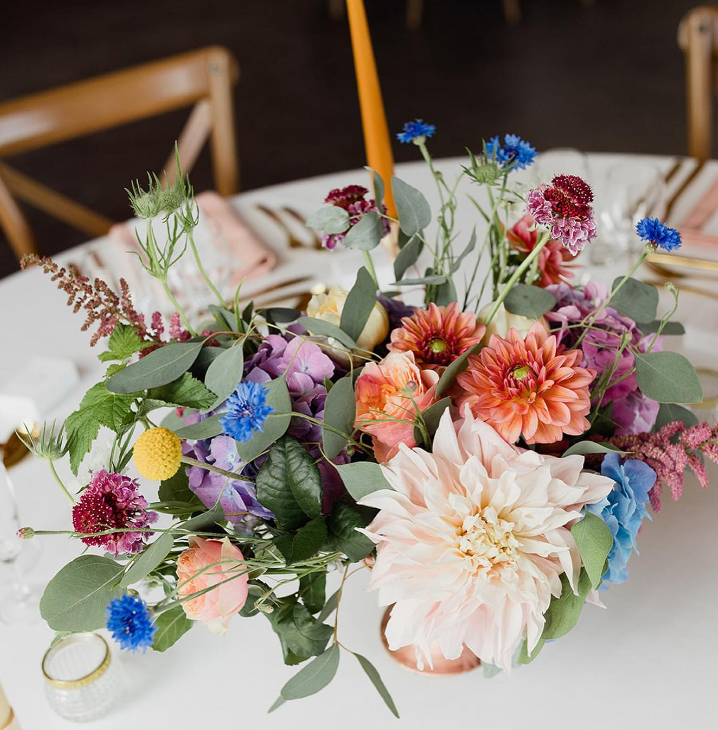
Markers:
(437, 335)
(529, 387)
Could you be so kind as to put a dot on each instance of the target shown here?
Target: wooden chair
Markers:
(202, 78)
(698, 38)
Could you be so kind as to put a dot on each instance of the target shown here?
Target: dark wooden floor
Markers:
(609, 77)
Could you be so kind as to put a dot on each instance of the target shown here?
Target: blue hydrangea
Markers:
(130, 622)
(247, 410)
(652, 230)
(515, 152)
(623, 509)
(416, 131)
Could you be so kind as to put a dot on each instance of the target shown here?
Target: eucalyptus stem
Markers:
(211, 467)
(60, 482)
(517, 275)
(203, 273)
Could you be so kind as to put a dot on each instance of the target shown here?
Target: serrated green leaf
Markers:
(412, 207)
(329, 219)
(305, 543)
(312, 590)
(327, 329)
(376, 680)
(158, 368)
(594, 541)
(635, 299)
(186, 391)
(205, 429)
(312, 678)
(123, 343)
(76, 598)
(274, 427)
(366, 234)
(670, 412)
(456, 367)
(362, 478)
(148, 560)
(343, 522)
(171, 626)
(667, 377)
(359, 304)
(563, 612)
(592, 447)
(224, 374)
(529, 301)
(339, 413)
(407, 256)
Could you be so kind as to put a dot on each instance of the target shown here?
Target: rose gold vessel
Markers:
(406, 656)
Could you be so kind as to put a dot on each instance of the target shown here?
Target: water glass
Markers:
(560, 161)
(82, 679)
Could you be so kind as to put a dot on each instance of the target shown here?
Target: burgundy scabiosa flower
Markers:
(352, 199)
(113, 501)
(564, 207)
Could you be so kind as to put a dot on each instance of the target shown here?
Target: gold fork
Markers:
(299, 217)
(294, 242)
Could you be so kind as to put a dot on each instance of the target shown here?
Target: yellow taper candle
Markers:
(376, 131)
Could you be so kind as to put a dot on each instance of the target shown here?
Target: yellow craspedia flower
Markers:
(157, 453)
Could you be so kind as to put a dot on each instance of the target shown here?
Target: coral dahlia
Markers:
(529, 387)
(437, 335)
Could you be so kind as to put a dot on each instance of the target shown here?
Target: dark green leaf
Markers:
(635, 299)
(670, 328)
(362, 478)
(407, 256)
(205, 358)
(430, 280)
(339, 412)
(563, 612)
(280, 314)
(304, 543)
(432, 415)
(456, 367)
(254, 592)
(329, 219)
(148, 560)
(224, 374)
(204, 522)
(176, 490)
(274, 426)
(205, 429)
(376, 680)
(667, 377)
(529, 301)
(327, 329)
(359, 304)
(298, 629)
(445, 293)
(186, 391)
(329, 607)
(377, 185)
(225, 318)
(670, 412)
(594, 541)
(312, 589)
(171, 626)
(158, 368)
(592, 447)
(312, 678)
(76, 598)
(412, 207)
(343, 522)
(366, 234)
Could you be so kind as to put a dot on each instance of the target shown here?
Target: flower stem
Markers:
(517, 275)
(179, 309)
(60, 482)
(211, 467)
(203, 273)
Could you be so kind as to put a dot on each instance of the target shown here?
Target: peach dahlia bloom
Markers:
(387, 396)
(473, 539)
(437, 335)
(529, 387)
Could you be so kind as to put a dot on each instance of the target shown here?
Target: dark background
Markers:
(606, 77)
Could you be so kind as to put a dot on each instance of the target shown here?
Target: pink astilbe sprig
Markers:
(103, 307)
(670, 451)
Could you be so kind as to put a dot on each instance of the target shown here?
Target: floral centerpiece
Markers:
(488, 452)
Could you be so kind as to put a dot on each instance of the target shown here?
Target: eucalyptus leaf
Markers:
(275, 426)
(327, 329)
(670, 412)
(339, 412)
(205, 429)
(431, 280)
(329, 607)
(592, 447)
(469, 248)
(529, 301)
(594, 541)
(76, 598)
(359, 304)
(362, 478)
(407, 256)
(670, 328)
(667, 377)
(456, 367)
(329, 219)
(171, 626)
(148, 560)
(563, 612)
(366, 233)
(635, 299)
(225, 373)
(206, 357)
(280, 314)
(158, 368)
(412, 207)
(524, 657)
(377, 185)
(314, 677)
(376, 680)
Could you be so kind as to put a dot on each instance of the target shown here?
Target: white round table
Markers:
(649, 660)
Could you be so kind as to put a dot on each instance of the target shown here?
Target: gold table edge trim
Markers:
(72, 684)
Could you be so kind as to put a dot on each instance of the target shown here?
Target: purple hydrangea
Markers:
(632, 411)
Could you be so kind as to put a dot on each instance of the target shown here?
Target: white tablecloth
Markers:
(649, 660)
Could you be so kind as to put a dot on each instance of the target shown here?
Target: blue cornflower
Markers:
(247, 410)
(130, 622)
(623, 509)
(514, 152)
(652, 230)
(416, 132)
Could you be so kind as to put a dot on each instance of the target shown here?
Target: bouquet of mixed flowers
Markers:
(488, 453)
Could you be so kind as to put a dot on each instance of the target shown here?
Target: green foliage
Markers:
(339, 412)
(299, 633)
(319, 327)
(343, 522)
(149, 559)
(591, 447)
(670, 328)
(98, 408)
(225, 373)
(412, 207)
(366, 233)
(407, 256)
(563, 612)
(329, 607)
(670, 412)
(524, 657)
(428, 280)
(207, 355)
(456, 367)
(378, 683)
(171, 626)
(377, 185)
(529, 301)
(359, 304)
(158, 368)
(362, 478)
(204, 429)
(289, 484)
(312, 678)
(443, 294)
(432, 416)
(304, 543)
(329, 219)
(667, 377)
(470, 246)
(594, 541)
(123, 343)
(76, 598)
(185, 391)
(312, 589)
(635, 299)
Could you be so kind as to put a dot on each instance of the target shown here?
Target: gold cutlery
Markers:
(674, 169)
(663, 263)
(299, 217)
(682, 188)
(14, 450)
(294, 242)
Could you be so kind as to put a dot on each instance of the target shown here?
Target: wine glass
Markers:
(560, 161)
(19, 605)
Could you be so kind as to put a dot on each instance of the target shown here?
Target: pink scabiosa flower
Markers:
(564, 207)
(388, 395)
(437, 335)
(472, 541)
(113, 501)
(530, 387)
(352, 199)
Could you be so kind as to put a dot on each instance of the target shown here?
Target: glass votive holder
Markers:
(82, 680)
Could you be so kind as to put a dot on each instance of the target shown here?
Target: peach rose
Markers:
(387, 395)
(216, 607)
